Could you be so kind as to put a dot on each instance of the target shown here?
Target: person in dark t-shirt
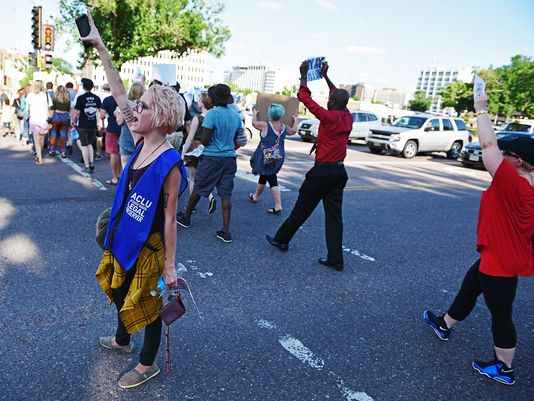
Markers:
(113, 131)
(86, 113)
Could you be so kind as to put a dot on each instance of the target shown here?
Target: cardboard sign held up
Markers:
(291, 104)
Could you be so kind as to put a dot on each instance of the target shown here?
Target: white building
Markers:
(432, 80)
(391, 97)
(258, 78)
(192, 70)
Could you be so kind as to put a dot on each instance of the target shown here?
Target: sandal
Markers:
(272, 210)
(251, 198)
(111, 182)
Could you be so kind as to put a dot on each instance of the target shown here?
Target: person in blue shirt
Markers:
(217, 165)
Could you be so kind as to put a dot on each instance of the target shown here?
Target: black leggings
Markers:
(499, 294)
(152, 331)
(271, 179)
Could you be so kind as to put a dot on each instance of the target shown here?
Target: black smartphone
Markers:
(82, 22)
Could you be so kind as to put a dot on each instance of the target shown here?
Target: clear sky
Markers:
(382, 42)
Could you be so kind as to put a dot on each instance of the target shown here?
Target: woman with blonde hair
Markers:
(38, 116)
(60, 121)
(126, 142)
(140, 241)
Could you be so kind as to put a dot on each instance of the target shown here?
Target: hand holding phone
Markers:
(84, 28)
(88, 31)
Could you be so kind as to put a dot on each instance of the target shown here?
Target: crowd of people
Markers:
(151, 135)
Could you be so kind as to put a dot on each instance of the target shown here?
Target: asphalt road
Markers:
(275, 326)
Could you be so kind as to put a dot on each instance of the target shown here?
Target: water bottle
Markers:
(160, 289)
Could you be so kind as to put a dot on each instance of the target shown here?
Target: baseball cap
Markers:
(521, 145)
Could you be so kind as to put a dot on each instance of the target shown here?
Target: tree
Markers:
(62, 66)
(458, 95)
(356, 98)
(419, 102)
(138, 28)
(289, 91)
(518, 82)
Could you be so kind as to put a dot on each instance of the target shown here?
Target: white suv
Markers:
(362, 123)
(421, 132)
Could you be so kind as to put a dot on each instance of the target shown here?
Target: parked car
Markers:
(421, 132)
(519, 126)
(471, 155)
(308, 129)
(362, 123)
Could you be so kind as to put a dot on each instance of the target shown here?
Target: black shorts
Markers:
(87, 136)
(215, 172)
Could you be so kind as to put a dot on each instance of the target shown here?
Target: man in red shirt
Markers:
(505, 238)
(327, 179)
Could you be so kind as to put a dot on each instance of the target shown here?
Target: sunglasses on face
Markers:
(140, 106)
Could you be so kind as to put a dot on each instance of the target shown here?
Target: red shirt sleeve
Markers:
(517, 196)
(321, 113)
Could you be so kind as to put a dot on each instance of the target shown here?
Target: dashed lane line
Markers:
(298, 350)
(79, 170)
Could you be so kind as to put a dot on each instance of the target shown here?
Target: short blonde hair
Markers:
(168, 108)
(136, 91)
(38, 86)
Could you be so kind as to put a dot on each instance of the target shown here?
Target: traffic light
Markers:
(48, 34)
(37, 17)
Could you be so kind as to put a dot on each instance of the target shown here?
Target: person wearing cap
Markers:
(85, 114)
(326, 180)
(113, 131)
(505, 244)
(217, 165)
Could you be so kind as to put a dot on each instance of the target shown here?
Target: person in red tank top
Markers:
(505, 237)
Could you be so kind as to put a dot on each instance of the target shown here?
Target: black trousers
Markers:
(271, 179)
(152, 331)
(499, 294)
(323, 182)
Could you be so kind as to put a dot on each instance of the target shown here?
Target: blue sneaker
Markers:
(437, 324)
(495, 370)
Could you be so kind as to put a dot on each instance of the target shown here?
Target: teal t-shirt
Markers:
(225, 123)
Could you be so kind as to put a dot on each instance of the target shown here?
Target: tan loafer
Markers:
(133, 378)
(107, 343)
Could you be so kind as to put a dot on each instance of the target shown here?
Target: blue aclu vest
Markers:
(133, 212)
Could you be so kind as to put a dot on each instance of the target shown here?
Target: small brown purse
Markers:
(173, 309)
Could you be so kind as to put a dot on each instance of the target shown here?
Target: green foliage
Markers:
(138, 28)
(62, 66)
(420, 102)
(289, 91)
(28, 77)
(510, 89)
(458, 95)
(356, 98)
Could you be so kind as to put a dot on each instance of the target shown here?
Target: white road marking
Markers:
(361, 255)
(180, 268)
(79, 170)
(301, 352)
(252, 178)
(205, 275)
(297, 349)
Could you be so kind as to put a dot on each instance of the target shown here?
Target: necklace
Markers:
(151, 153)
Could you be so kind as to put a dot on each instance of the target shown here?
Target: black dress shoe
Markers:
(276, 244)
(335, 266)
